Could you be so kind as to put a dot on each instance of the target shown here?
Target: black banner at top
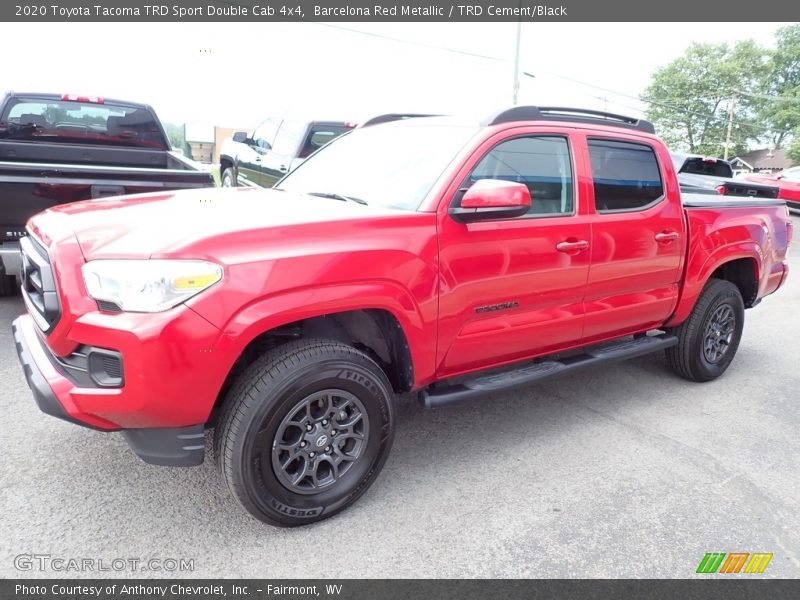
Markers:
(399, 10)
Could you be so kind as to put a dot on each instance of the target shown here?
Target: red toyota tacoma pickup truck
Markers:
(445, 258)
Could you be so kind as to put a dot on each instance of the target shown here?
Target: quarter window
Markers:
(541, 163)
(626, 175)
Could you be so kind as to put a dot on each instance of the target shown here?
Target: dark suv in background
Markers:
(274, 148)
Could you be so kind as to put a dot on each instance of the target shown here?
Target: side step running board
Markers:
(443, 394)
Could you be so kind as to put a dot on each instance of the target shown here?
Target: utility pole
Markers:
(731, 110)
(515, 93)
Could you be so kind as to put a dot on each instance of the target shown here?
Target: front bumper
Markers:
(58, 396)
(37, 379)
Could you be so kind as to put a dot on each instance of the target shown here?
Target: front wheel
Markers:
(709, 338)
(229, 178)
(305, 431)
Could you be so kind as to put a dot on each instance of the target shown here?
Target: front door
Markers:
(513, 288)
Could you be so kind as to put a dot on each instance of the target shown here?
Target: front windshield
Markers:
(387, 165)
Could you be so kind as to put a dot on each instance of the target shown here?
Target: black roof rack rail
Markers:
(561, 113)
(389, 117)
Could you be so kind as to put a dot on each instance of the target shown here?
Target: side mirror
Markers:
(240, 136)
(492, 199)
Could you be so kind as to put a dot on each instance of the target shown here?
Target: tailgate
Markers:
(736, 187)
(29, 188)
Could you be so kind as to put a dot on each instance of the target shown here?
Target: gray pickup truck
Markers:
(708, 175)
(56, 149)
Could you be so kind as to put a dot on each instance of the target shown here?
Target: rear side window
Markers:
(63, 121)
(541, 163)
(319, 135)
(626, 175)
(707, 166)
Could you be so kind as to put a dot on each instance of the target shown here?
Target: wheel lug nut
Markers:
(309, 428)
(303, 444)
(312, 454)
(324, 421)
(334, 432)
(327, 448)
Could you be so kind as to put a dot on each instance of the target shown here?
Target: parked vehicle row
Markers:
(56, 149)
(787, 181)
(463, 258)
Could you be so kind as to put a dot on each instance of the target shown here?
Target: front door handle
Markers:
(665, 237)
(258, 159)
(283, 169)
(572, 246)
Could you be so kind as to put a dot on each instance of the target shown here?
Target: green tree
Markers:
(176, 134)
(793, 151)
(689, 98)
(780, 107)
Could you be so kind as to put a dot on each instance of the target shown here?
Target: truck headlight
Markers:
(148, 285)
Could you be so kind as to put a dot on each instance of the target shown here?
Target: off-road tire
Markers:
(688, 358)
(256, 410)
(229, 178)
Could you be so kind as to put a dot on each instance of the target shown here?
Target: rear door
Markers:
(638, 237)
(513, 288)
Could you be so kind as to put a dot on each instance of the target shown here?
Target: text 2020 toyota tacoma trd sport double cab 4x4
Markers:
(425, 255)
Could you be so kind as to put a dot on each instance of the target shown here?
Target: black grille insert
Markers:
(38, 284)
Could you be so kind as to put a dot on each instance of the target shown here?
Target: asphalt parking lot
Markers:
(625, 471)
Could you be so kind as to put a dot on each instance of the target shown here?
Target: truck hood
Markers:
(175, 223)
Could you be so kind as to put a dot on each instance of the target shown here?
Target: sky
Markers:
(237, 74)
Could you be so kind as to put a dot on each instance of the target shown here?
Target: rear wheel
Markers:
(709, 338)
(305, 431)
(8, 285)
(229, 178)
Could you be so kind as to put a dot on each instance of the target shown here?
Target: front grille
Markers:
(39, 284)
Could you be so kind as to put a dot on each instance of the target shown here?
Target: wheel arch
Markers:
(376, 331)
(741, 264)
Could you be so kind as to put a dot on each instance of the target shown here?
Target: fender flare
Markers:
(719, 257)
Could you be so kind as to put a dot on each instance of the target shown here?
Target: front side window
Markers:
(264, 135)
(541, 163)
(626, 175)
(289, 137)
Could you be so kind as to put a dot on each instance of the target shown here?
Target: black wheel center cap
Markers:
(319, 437)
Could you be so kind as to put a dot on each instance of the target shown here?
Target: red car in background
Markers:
(788, 181)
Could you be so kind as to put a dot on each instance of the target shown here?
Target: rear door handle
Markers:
(572, 246)
(665, 237)
(283, 169)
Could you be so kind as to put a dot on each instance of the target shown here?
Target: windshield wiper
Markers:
(335, 196)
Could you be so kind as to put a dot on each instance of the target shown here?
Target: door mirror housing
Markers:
(492, 199)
